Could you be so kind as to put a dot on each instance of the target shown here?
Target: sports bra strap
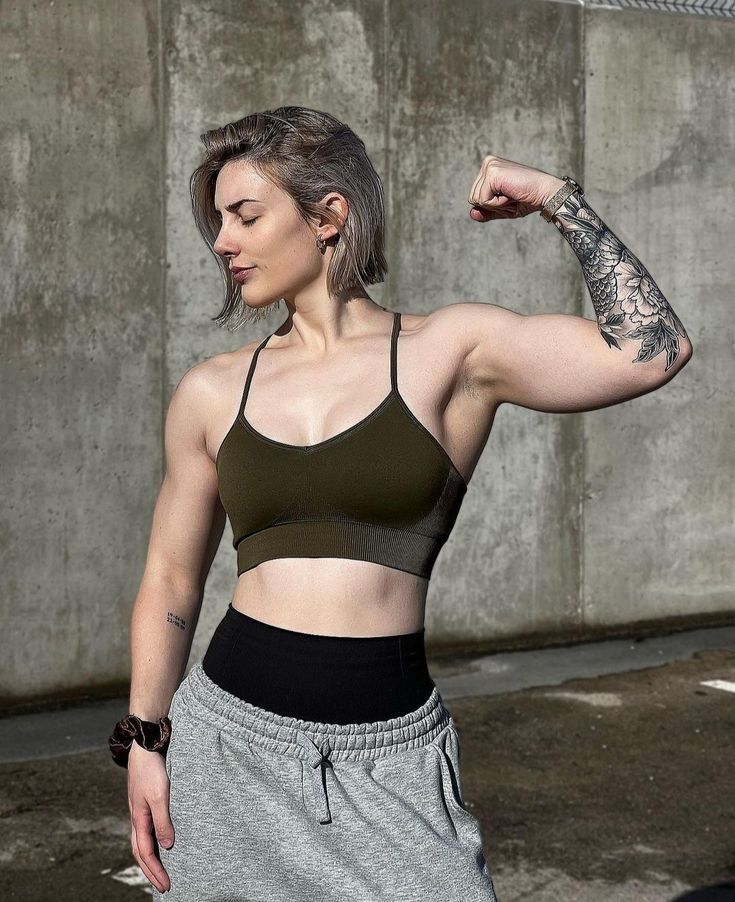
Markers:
(394, 351)
(251, 370)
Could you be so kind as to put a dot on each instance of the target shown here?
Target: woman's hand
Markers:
(148, 800)
(507, 190)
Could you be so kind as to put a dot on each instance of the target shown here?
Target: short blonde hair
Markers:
(307, 153)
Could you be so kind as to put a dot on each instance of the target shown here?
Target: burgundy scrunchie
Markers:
(152, 736)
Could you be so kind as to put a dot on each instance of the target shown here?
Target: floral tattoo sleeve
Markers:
(628, 303)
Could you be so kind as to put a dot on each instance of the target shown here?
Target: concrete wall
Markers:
(574, 524)
(82, 335)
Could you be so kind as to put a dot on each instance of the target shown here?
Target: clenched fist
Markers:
(504, 189)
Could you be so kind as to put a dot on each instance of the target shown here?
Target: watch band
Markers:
(556, 200)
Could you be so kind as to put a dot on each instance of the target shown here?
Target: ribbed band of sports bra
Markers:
(384, 490)
(330, 679)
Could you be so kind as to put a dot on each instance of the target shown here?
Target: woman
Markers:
(311, 756)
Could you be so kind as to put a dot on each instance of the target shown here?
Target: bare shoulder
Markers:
(204, 393)
(209, 379)
(199, 382)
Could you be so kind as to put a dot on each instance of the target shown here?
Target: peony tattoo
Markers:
(628, 303)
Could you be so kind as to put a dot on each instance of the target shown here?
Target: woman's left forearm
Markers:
(632, 313)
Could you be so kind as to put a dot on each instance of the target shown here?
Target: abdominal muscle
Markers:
(333, 597)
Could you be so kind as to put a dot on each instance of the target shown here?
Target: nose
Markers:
(224, 245)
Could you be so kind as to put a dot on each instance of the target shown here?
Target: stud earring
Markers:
(320, 242)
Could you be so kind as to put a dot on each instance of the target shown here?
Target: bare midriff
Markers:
(333, 597)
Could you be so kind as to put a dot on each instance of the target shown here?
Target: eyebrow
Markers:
(232, 208)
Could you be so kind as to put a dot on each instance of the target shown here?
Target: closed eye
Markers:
(248, 221)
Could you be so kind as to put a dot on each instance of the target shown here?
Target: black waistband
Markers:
(332, 679)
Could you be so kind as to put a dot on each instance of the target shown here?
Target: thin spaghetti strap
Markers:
(251, 370)
(394, 351)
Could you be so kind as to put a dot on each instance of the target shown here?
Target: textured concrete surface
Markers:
(659, 506)
(601, 773)
(613, 789)
(573, 523)
(80, 336)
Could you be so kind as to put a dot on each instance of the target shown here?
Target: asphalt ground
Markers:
(600, 772)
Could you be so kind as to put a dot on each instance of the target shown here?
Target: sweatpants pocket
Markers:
(466, 826)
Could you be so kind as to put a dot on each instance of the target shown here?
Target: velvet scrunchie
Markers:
(152, 736)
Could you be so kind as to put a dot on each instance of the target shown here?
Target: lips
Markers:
(237, 269)
(241, 274)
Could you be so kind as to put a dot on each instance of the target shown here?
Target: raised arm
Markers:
(566, 363)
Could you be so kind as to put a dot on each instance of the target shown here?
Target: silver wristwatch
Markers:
(556, 200)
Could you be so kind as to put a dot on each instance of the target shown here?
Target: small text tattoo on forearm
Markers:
(628, 303)
(175, 619)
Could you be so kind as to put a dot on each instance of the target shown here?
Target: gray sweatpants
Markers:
(269, 807)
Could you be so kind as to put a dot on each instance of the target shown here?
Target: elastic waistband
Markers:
(297, 737)
(376, 652)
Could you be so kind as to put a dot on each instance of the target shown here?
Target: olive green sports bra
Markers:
(384, 490)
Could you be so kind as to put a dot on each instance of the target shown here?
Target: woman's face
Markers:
(266, 232)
